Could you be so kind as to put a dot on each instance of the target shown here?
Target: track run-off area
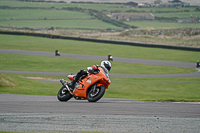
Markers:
(100, 58)
(28, 113)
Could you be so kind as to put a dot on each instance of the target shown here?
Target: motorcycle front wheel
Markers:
(95, 95)
(63, 94)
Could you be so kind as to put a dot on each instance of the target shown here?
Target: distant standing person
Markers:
(197, 64)
(110, 58)
(57, 53)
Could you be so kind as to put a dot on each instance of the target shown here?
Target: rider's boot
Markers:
(72, 84)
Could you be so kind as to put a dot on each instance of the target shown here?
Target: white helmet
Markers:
(106, 64)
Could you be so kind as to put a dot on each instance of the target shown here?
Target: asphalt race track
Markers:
(27, 113)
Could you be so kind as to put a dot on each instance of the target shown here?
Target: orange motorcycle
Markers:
(91, 87)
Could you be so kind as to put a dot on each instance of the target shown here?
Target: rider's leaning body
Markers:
(105, 65)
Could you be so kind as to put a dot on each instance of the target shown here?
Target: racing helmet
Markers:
(106, 64)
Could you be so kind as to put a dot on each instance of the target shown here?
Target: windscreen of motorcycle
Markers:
(105, 71)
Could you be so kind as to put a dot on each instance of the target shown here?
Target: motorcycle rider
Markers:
(105, 65)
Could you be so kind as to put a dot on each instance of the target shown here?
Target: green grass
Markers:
(157, 89)
(147, 89)
(92, 48)
(41, 14)
(91, 24)
(30, 87)
(55, 64)
(110, 7)
(107, 8)
(29, 4)
(7, 81)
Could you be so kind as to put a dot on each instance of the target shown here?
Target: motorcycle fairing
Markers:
(101, 79)
(88, 81)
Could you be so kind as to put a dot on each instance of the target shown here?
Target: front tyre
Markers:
(63, 94)
(95, 95)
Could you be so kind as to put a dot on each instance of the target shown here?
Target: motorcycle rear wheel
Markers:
(63, 94)
(96, 95)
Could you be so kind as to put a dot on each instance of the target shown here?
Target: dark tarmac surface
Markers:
(26, 113)
(11, 103)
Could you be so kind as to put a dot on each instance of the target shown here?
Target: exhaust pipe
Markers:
(62, 81)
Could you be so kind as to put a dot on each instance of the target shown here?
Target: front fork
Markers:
(94, 88)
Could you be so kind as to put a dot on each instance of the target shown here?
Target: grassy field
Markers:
(54, 64)
(76, 23)
(37, 63)
(106, 8)
(57, 5)
(29, 87)
(153, 89)
(81, 47)
(29, 4)
(74, 19)
(100, 7)
(91, 24)
(158, 89)
(57, 14)
(145, 89)
(41, 14)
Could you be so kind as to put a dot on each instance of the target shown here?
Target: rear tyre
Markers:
(63, 94)
(93, 96)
